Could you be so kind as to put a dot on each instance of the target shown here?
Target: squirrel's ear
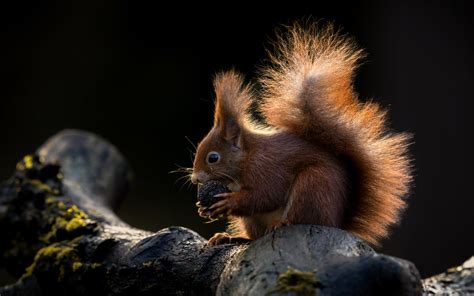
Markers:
(232, 132)
(233, 99)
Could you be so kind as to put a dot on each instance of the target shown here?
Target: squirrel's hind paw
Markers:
(222, 238)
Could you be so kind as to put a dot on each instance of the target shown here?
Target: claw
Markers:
(219, 239)
(225, 194)
(220, 208)
(218, 204)
(204, 212)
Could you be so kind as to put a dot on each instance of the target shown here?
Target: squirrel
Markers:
(322, 157)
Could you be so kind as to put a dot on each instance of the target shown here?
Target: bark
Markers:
(61, 236)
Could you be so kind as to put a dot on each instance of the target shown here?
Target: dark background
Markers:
(140, 75)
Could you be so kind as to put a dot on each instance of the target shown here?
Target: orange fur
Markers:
(327, 159)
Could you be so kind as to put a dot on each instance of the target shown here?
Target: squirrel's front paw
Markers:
(225, 206)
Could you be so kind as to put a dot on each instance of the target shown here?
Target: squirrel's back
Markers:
(308, 90)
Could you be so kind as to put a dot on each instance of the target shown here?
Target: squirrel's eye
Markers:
(213, 157)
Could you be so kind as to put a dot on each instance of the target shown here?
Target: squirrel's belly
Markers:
(260, 224)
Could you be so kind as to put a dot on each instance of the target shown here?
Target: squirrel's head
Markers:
(221, 153)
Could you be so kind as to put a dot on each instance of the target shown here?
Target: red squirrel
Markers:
(323, 157)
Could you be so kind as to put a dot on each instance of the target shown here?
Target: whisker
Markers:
(221, 174)
(184, 180)
(185, 177)
(181, 169)
(181, 180)
(191, 155)
(191, 142)
(189, 184)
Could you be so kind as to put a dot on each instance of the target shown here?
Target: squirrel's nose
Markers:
(194, 178)
(199, 177)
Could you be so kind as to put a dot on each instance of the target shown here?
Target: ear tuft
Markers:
(233, 98)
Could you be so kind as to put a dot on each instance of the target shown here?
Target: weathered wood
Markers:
(61, 236)
(457, 280)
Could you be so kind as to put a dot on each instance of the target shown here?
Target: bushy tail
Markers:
(308, 90)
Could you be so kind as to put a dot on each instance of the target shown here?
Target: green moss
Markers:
(61, 205)
(44, 187)
(78, 219)
(54, 251)
(297, 282)
(32, 170)
(75, 224)
(50, 200)
(74, 211)
(28, 161)
(60, 257)
(76, 266)
(147, 264)
(66, 222)
(71, 219)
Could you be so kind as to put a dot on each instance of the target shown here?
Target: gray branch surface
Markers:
(60, 236)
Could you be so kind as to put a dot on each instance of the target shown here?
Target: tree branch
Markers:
(60, 235)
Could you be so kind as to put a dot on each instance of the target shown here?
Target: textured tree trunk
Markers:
(60, 236)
